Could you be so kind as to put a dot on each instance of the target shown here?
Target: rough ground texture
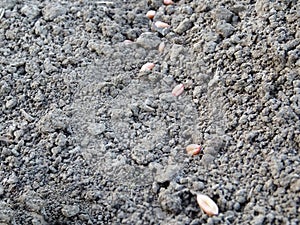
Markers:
(86, 138)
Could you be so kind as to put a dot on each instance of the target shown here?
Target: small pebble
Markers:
(11, 103)
(148, 40)
(70, 210)
(185, 25)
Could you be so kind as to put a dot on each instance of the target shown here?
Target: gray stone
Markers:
(52, 11)
(261, 7)
(209, 36)
(39, 97)
(148, 40)
(295, 186)
(207, 159)
(38, 219)
(96, 128)
(196, 222)
(142, 154)
(70, 210)
(49, 67)
(176, 52)
(53, 120)
(241, 196)
(11, 103)
(210, 150)
(237, 206)
(31, 11)
(209, 47)
(169, 173)
(170, 202)
(238, 8)
(221, 13)
(61, 140)
(8, 4)
(258, 220)
(185, 25)
(6, 213)
(32, 201)
(4, 88)
(198, 186)
(225, 29)
(55, 150)
(229, 216)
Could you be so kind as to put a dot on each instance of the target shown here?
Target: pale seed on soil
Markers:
(127, 42)
(178, 89)
(193, 149)
(207, 205)
(160, 24)
(150, 14)
(104, 2)
(147, 67)
(161, 47)
(168, 2)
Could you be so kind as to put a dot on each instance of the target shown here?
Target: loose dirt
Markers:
(88, 138)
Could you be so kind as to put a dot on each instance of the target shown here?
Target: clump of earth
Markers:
(88, 138)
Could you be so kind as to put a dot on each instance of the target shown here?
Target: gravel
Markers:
(87, 138)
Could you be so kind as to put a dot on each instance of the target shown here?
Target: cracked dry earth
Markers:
(88, 138)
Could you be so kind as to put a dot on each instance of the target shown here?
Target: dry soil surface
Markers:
(88, 138)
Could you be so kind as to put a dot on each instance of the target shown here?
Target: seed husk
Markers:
(127, 42)
(193, 149)
(160, 24)
(147, 67)
(207, 205)
(178, 89)
(161, 47)
(150, 14)
(168, 2)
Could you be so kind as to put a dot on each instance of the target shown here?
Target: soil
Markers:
(86, 137)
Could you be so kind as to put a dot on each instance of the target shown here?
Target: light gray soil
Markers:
(87, 138)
